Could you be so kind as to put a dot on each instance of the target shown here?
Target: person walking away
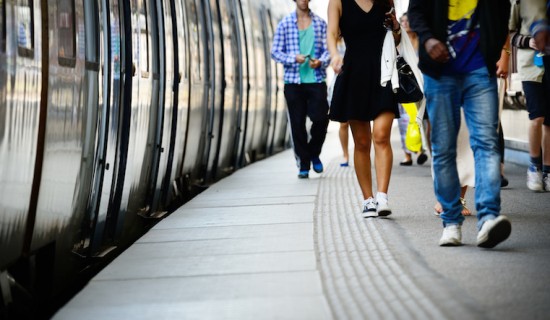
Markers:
(460, 44)
(536, 87)
(358, 97)
(299, 44)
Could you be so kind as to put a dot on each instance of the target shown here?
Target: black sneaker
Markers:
(503, 181)
(422, 158)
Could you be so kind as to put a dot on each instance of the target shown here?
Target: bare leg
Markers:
(383, 154)
(344, 136)
(362, 139)
(465, 210)
(546, 145)
(535, 136)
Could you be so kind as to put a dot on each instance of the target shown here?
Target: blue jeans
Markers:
(476, 92)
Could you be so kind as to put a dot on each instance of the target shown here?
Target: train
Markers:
(112, 114)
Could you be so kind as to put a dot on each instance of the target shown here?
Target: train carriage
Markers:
(111, 114)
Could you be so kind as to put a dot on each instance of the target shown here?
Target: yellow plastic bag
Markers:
(413, 138)
(410, 108)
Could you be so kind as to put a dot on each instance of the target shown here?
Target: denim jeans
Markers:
(476, 92)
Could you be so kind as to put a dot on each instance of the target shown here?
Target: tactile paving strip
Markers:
(361, 276)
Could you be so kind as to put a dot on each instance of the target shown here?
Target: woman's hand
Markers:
(336, 63)
(390, 22)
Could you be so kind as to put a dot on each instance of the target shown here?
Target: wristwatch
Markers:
(398, 31)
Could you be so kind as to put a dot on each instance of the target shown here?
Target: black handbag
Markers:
(409, 91)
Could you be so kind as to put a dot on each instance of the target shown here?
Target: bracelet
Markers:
(398, 31)
(508, 51)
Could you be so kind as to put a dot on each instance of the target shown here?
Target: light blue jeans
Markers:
(476, 92)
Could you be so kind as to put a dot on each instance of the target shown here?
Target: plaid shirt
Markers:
(286, 45)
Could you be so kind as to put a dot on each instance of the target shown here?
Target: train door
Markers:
(107, 34)
(172, 123)
(272, 79)
(22, 122)
(211, 85)
(166, 126)
(230, 96)
(243, 86)
(260, 102)
(197, 140)
(139, 98)
(280, 121)
(146, 153)
(181, 48)
(68, 159)
(216, 108)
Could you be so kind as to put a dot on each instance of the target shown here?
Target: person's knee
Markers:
(536, 127)
(381, 138)
(537, 121)
(362, 145)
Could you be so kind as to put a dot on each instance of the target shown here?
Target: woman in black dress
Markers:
(358, 97)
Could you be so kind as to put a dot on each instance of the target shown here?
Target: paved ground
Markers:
(262, 244)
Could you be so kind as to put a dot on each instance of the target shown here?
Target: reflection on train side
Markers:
(112, 113)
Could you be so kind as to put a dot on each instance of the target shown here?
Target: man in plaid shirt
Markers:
(300, 45)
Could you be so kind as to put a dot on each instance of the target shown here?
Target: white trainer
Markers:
(534, 179)
(382, 207)
(452, 236)
(494, 232)
(369, 208)
(546, 181)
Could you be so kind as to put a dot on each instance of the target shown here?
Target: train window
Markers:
(66, 46)
(115, 38)
(25, 28)
(143, 27)
(195, 31)
(229, 32)
(2, 26)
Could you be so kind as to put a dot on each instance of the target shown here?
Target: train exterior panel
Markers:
(112, 113)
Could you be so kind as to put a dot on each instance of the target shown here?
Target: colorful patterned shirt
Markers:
(286, 45)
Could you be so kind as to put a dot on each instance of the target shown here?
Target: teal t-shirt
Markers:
(307, 46)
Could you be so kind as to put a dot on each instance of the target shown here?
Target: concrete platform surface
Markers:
(262, 244)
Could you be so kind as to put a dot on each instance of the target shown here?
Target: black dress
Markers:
(357, 93)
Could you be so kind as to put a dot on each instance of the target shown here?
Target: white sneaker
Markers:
(452, 236)
(534, 179)
(546, 181)
(382, 207)
(369, 208)
(494, 232)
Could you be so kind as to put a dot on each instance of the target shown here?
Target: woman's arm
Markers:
(504, 61)
(392, 24)
(333, 33)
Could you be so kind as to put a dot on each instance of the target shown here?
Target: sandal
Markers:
(438, 209)
(465, 211)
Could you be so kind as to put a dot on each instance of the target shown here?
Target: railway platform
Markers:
(263, 244)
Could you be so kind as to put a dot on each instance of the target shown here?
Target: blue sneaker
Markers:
(303, 174)
(317, 165)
